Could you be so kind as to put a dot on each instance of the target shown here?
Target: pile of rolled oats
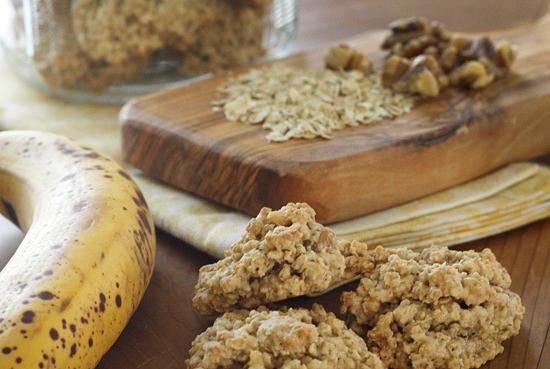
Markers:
(101, 43)
(425, 58)
(308, 103)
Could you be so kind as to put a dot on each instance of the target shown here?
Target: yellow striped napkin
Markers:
(510, 197)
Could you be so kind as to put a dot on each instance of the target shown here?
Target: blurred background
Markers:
(326, 21)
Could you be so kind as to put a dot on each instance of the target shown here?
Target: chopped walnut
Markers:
(406, 29)
(506, 54)
(284, 253)
(472, 74)
(448, 58)
(344, 57)
(395, 67)
(418, 46)
(444, 55)
(289, 338)
(434, 309)
(423, 76)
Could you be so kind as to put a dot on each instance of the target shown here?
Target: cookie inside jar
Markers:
(117, 49)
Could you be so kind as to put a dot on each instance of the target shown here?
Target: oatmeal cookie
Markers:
(181, 22)
(234, 39)
(291, 339)
(62, 67)
(434, 309)
(115, 31)
(284, 253)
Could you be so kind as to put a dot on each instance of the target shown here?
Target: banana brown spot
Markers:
(79, 206)
(124, 174)
(18, 360)
(64, 304)
(72, 327)
(141, 198)
(90, 342)
(64, 149)
(144, 220)
(91, 155)
(54, 334)
(6, 350)
(118, 301)
(73, 350)
(102, 300)
(28, 317)
(67, 177)
(46, 295)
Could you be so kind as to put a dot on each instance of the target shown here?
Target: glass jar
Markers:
(111, 50)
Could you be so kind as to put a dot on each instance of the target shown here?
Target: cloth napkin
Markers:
(510, 197)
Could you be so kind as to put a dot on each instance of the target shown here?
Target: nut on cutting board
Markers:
(175, 136)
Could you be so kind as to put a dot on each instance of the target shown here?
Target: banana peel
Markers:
(86, 259)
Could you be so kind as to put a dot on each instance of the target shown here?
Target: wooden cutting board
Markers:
(175, 136)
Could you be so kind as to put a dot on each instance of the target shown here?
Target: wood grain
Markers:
(176, 137)
(160, 332)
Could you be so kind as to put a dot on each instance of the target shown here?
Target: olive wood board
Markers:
(175, 136)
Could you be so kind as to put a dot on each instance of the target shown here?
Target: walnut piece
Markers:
(406, 29)
(344, 57)
(472, 74)
(434, 56)
(434, 309)
(506, 54)
(289, 338)
(284, 253)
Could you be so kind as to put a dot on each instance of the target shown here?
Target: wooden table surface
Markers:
(160, 333)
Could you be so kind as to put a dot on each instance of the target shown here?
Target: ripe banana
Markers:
(86, 259)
